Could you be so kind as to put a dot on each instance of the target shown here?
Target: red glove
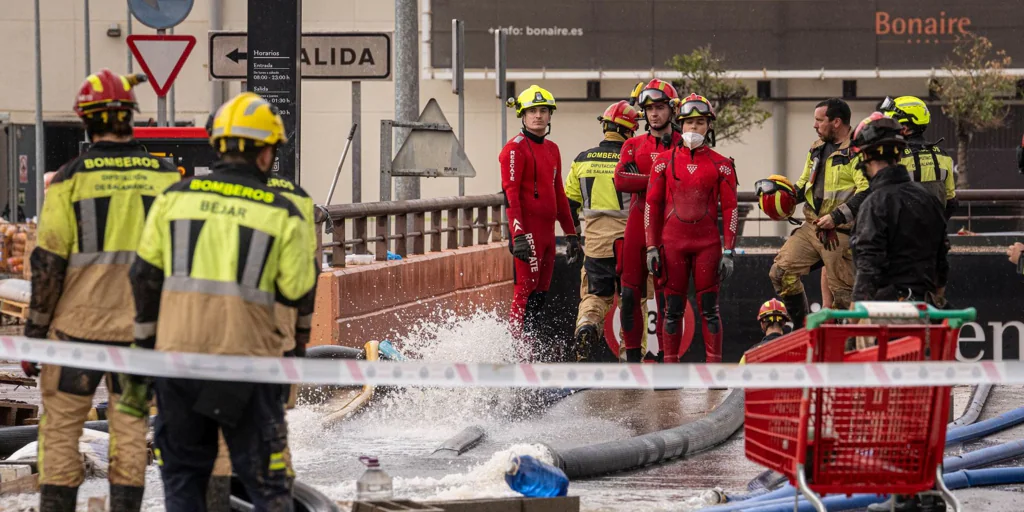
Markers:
(31, 369)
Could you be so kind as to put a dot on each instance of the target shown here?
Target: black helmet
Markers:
(878, 137)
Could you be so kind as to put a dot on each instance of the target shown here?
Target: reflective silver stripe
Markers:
(845, 209)
(251, 108)
(179, 264)
(258, 247)
(145, 330)
(585, 193)
(39, 318)
(616, 214)
(84, 259)
(89, 231)
(244, 131)
(187, 284)
(305, 322)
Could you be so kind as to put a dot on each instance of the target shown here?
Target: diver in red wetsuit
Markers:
(686, 187)
(631, 175)
(534, 199)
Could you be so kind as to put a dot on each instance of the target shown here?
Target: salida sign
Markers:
(788, 34)
(323, 56)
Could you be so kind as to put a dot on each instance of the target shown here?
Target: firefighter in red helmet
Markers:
(656, 99)
(89, 229)
(687, 186)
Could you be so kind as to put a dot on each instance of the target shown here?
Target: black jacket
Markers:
(899, 243)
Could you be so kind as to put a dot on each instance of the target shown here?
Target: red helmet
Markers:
(776, 196)
(695, 105)
(656, 91)
(622, 114)
(773, 311)
(106, 90)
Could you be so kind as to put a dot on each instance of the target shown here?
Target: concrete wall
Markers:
(378, 301)
(326, 109)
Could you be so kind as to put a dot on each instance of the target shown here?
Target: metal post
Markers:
(170, 107)
(386, 129)
(88, 41)
(500, 39)
(127, 50)
(407, 85)
(40, 136)
(216, 86)
(780, 123)
(459, 82)
(357, 142)
(161, 101)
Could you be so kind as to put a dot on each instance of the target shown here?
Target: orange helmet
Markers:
(622, 114)
(657, 91)
(776, 196)
(106, 90)
(695, 105)
(773, 310)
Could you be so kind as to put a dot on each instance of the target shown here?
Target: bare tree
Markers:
(705, 74)
(973, 93)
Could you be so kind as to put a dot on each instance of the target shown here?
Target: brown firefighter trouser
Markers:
(67, 399)
(801, 252)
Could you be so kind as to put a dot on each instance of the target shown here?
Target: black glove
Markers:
(828, 238)
(725, 266)
(951, 205)
(654, 261)
(521, 248)
(33, 330)
(572, 249)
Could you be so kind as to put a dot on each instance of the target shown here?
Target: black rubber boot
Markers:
(903, 504)
(634, 355)
(931, 503)
(125, 498)
(797, 307)
(57, 498)
(218, 494)
(587, 340)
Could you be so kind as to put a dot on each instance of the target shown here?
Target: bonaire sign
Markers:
(324, 56)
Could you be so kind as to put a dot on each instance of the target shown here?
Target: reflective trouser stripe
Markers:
(39, 318)
(145, 330)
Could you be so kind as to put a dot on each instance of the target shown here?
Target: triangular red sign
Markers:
(161, 57)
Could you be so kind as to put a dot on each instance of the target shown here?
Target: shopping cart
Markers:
(857, 440)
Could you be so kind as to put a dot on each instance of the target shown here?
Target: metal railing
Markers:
(445, 222)
(453, 222)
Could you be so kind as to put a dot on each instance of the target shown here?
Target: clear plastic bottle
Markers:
(375, 484)
(535, 479)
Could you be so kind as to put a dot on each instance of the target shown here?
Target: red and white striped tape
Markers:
(539, 375)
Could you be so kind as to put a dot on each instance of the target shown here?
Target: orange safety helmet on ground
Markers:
(656, 91)
(773, 310)
(695, 105)
(776, 197)
(622, 114)
(105, 90)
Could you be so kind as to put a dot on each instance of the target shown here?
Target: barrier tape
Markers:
(538, 375)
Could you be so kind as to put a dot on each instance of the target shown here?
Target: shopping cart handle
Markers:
(870, 309)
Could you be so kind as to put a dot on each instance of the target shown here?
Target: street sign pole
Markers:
(499, 80)
(161, 101)
(357, 142)
(272, 70)
(459, 82)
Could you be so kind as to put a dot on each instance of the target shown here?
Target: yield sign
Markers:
(161, 57)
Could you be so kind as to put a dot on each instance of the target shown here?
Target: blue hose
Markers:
(984, 456)
(956, 480)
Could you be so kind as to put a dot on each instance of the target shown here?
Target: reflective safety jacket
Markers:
(841, 185)
(931, 167)
(590, 187)
(217, 254)
(89, 229)
(292, 321)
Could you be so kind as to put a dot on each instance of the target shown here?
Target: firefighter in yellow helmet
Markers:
(927, 163)
(217, 255)
(89, 228)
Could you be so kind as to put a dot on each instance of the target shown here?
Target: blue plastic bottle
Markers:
(535, 479)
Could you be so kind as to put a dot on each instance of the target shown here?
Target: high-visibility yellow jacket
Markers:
(291, 320)
(931, 167)
(89, 229)
(590, 188)
(216, 254)
(843, 187)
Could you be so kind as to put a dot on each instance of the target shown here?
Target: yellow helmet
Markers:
(533, 96)
(908, 110)
(246, 117)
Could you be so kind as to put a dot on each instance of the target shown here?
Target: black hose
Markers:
(707, 432)
(334, 352)
(306, 498)
(13, 439)
(461, 442)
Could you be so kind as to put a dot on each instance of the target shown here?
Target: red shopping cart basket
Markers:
(856, 440)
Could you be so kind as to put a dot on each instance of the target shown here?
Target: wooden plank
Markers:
(13, 308)
(21, 485)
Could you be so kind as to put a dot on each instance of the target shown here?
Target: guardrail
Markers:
(477, 220)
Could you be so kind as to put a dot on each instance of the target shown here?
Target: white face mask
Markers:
(692, 139)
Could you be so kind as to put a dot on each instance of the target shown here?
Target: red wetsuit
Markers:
(681, 220)
(632, 259)
(535, 199)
